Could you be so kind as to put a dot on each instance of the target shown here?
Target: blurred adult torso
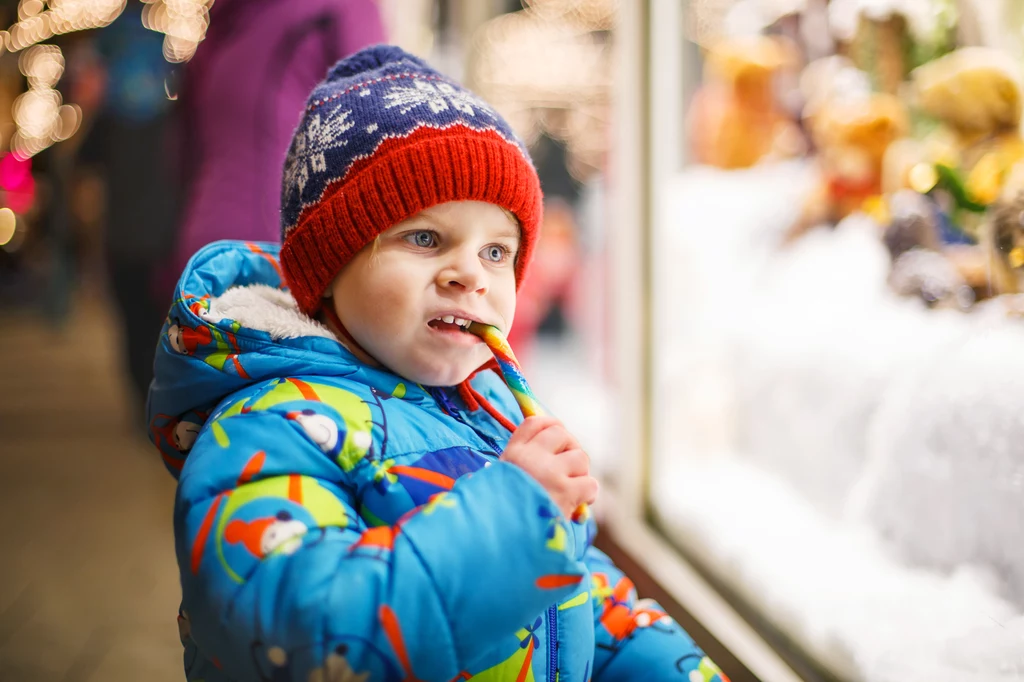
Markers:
(242, 95)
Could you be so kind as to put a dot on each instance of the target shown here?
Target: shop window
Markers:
(837, 329)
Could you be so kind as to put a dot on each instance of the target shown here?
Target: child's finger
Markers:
(583, 489)
(573, 443)
(531, 426)
(575, 461)
(554, 439)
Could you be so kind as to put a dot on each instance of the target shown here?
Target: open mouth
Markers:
(449, 323)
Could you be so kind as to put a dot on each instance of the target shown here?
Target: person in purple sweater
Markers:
(242, 96)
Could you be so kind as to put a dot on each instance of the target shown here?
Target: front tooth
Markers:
(448, 319)
(461, 322)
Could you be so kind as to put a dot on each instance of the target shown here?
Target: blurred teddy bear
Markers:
(736, 119)
(851, 131)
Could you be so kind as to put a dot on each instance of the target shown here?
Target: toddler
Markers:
(359, 497)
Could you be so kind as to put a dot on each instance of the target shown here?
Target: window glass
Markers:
(837, 373)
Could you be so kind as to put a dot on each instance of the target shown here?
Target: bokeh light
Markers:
(598, 15)
(39, 113)
(548, 69)
(35, 112)
(37, 24)
(42, 65)
(8, 225)
(183, 23)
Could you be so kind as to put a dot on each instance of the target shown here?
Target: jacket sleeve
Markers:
(634, 635)
(282, 579)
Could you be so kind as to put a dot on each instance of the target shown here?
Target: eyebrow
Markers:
(511, 231)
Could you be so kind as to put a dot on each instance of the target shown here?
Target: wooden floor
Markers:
(88, 582)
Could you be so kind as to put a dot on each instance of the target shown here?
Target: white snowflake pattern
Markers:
(438, 97)
(320, 135)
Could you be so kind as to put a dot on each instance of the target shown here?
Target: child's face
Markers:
(455, 259)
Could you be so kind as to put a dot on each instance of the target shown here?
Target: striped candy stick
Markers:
(512, 373)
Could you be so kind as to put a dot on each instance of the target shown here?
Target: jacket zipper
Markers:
(446, 403)
(552, 643)
(448, 406)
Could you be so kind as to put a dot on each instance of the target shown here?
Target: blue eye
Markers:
(494, 253)
(423, 239)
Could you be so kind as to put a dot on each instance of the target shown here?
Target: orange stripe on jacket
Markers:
(394, 634)
(204, 533)
(305, 389)
(433, 477)
(553, 582)
(252, 467)
(295, 488)
(273, 261)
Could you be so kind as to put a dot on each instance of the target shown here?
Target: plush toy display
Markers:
(963, 166)
(944, 276)
(852, 134)
(920, 136)
(888, 38)
(735, 118)
(1006, 226)
(975, 95)
(879, 48)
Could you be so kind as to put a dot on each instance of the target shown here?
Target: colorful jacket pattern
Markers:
(334, 522)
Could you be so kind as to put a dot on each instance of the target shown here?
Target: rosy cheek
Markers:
(507, 305)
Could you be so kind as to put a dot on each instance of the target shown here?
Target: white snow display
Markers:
(834, 586)
(847, 460)
(945, 480)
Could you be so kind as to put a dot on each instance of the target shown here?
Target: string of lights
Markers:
(39, 21)
(547, 68)
(41, 117)
(183, 23)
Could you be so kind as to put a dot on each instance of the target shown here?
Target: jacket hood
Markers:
(233, 324)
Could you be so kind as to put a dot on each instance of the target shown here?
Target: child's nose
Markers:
(463, 272)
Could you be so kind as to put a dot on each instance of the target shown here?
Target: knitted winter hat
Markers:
(383, 138)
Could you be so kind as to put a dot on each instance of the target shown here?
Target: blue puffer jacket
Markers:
(335, 522)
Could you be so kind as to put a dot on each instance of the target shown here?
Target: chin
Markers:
(450, 374)
(445, 377)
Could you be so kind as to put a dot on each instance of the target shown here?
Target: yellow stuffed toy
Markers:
(964, 166)
(975, 95)
(735, 120)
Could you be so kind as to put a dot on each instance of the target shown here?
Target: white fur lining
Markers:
(267, 309)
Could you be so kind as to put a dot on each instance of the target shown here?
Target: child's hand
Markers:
(544, 449)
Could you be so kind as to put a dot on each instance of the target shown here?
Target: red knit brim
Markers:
(403, 177)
